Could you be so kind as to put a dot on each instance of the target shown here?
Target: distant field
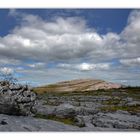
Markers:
(121, 91)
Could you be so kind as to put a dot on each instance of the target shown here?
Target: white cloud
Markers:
(4, 60)
(46, 76)
(61, 39)
(85, 66)
(69, 39)
(131, 62)
(69, 42)
(37, 65)
(131, 36)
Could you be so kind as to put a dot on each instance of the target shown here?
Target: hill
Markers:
(77, 85)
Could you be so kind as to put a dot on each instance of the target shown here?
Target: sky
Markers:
(44, 46)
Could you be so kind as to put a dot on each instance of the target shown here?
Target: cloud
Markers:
(5, 60)
(71, 45)
(85, 66)
(130, 36)
(37, 65)
(52, 75)
(60, 39)
(131, 62)
(65, 39)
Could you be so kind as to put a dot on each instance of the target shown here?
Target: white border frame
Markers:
(70, 3)
(134, 4)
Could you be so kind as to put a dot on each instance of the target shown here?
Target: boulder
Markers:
(119, 120)
(65, 111)
(16, 99)
(86, 111)
(44, 110)
(79, 121)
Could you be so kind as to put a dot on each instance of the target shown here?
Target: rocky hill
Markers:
(78, 85)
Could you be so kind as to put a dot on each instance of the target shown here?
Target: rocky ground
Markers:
(21, 123)
(21, 109)
(12, 123)
(95, 110)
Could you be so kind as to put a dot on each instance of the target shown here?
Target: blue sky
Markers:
(42, 46)
(103, 19)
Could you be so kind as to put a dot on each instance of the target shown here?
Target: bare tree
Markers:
(7, 77)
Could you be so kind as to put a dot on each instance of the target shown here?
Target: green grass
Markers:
(40, 116)
(69, 121)
(56, 103)
(131, 109)
(133, 92)
(112, 101)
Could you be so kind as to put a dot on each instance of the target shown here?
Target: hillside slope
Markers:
(77, 85)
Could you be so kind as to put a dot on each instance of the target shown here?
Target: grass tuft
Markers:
(69, 121)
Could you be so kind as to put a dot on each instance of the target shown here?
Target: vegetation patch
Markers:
(112, 101)
(69, 121)
(131, 109)
(52, 103)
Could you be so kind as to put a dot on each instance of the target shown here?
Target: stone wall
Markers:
(16, 99)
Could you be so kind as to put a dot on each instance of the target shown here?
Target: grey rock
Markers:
(30, 124)
(128, 99)
(27, 123)
(16, 100)
(120, 125)
(65, 111)
(122, 112)
(75, 103)
(86, 111)
(3, 122)
(79, 121)
(118, 120)
(44, 110)
(15, 87)
(133, 103)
